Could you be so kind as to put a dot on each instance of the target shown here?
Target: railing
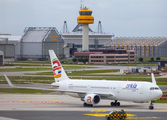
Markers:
(164, 97)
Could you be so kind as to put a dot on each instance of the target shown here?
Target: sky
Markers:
(123, 18)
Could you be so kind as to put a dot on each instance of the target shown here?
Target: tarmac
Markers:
(52, 106)
(63, 107)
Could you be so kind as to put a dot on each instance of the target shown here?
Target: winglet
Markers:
(153, 78)
(8, 81)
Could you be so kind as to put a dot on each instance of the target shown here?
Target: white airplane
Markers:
(92, 91)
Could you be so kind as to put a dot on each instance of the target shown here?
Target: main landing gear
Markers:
(151, 105)
(115, 103)
(87, 105)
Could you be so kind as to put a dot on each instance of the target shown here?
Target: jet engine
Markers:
(92, 99)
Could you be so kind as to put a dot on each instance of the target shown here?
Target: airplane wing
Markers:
(59, 90)
(36, 88)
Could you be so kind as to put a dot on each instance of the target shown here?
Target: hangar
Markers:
(8, 45)
(143, 46)
(36, 42)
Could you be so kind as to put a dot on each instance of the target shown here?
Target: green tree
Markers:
(158, 58)
(80, 60)
(74, 59)
(141, 59)
(152, 59)
(85, 59)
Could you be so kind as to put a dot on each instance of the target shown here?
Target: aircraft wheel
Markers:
(84, 104)
(118, 103)
(151, 107)
(91, 105)
(112, 104)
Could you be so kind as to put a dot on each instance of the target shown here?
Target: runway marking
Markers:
(147, 107)
(104, 114)
(62, 105)
(63, 95)
(4, 102)
(143, 118)
(26, 100)
(98, 111)
(162, 110)
(47, 102)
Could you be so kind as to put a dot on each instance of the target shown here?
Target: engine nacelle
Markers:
(92, 99)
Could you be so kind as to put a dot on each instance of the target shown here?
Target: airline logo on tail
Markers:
(56, 68)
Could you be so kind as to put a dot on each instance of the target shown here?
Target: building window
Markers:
(109, 56)
(131, 52)
(109, 60)
(132, 56)
(132, 60)
(121, 56)
(121, 60)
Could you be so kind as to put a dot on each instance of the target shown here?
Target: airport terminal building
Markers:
(107, 56)
(96, 39)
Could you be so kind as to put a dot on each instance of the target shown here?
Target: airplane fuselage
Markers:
(114, 90)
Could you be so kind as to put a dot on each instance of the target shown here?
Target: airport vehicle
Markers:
(164, 69)
(92, 91)
(116, 115)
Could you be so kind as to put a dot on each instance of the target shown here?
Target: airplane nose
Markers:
(160, 93)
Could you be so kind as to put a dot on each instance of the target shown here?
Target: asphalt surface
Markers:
(64, 107)
(75, 115)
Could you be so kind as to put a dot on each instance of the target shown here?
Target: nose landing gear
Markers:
(151, 105)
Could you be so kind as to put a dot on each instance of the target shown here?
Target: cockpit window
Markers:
(154, 88)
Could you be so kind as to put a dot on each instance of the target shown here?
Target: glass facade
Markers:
(85, 13)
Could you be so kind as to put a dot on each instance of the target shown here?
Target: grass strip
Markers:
(49, 80)
(17, 90)
(23, 69)
(40, 69)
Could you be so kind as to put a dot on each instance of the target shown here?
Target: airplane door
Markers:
(141, 90)
(118, 89)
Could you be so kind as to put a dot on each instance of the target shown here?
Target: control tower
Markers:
(85, 19)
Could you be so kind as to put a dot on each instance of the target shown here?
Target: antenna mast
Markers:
(81, 5)
(100, 27)
(65, 28)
